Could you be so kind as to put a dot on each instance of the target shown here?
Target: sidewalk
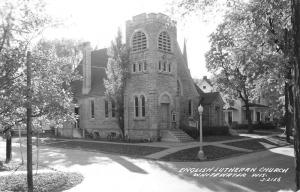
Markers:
(158, 150)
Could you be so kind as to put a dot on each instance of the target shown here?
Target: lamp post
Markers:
(201, 155)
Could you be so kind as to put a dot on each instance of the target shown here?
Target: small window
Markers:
(143, 106)
(178, 88)
(92, 104)
(173, 116)
(145, 65)
(106, 108)
(159, 65)
(113, 108)
(134, 67)
(140, 66)
(139, 41)
(136, 106)
(190, 108)
(169, 67)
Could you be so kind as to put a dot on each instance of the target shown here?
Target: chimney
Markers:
(86, 86)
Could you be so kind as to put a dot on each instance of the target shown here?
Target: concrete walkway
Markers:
(222, 144)
(173, 147)
(114, 173)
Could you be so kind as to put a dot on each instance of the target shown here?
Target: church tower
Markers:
(151, 93)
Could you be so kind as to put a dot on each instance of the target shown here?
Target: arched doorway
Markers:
(165, 111)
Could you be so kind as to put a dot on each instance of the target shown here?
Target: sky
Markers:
(97, 21)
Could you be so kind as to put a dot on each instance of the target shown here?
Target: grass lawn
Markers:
(254, 144)
(211, 152)
(221, 138)
(122, 149)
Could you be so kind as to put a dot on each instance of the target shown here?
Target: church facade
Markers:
(160, 95)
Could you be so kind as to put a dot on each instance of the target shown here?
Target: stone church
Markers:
(161, 99)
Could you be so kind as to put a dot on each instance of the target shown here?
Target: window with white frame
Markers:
(164, 42)
(139, 41)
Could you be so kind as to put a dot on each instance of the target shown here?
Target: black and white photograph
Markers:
(149, 96)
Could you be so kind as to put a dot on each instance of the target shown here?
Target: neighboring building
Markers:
(205, 85)
(160, 95)
(236, 113)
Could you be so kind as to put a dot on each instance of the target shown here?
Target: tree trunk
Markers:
(295, 5)
(8, 147)
(29, 128)
(248, 117)
(287, 115)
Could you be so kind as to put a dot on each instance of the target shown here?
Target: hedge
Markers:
(207, 131)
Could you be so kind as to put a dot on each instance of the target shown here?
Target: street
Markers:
(105, 172)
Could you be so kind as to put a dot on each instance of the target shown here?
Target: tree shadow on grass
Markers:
(60, 157)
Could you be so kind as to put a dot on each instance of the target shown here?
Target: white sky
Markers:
(97, 21)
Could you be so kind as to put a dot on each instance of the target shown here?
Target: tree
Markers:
(51, 76)
(116, 71)
(295, 6)
(234, 59)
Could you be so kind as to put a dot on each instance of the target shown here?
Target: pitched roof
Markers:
(98, 64)
(199, 90)
(207, 80)
(209, 98)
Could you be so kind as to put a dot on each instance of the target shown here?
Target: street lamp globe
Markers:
(200, 109)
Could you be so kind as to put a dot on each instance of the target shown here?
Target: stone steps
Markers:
(175, 135)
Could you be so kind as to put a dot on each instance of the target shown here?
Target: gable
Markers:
(99, 60)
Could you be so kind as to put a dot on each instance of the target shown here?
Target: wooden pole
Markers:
(28, 124)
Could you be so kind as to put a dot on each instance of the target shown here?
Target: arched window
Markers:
(165, 66)
(136, 106)
(140, 66)
(164, 42)
(145, 65)
(139, 41)
(190, 108)
(143, 106)
(134, 68)
(159, 65)
(106, 108)
(178, 88)
(169, 66)
(113, 108)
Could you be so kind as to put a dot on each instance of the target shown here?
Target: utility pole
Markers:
(28, 124)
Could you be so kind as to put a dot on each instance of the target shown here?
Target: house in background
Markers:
(205, 85)
(213, 104)
(236, 112)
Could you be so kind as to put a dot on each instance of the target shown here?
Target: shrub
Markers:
(207, 131)
(261, 125)
(42, 182)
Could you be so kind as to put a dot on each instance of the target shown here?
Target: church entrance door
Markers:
(165, 117)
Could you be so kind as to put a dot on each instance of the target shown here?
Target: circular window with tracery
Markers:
(164, 42)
